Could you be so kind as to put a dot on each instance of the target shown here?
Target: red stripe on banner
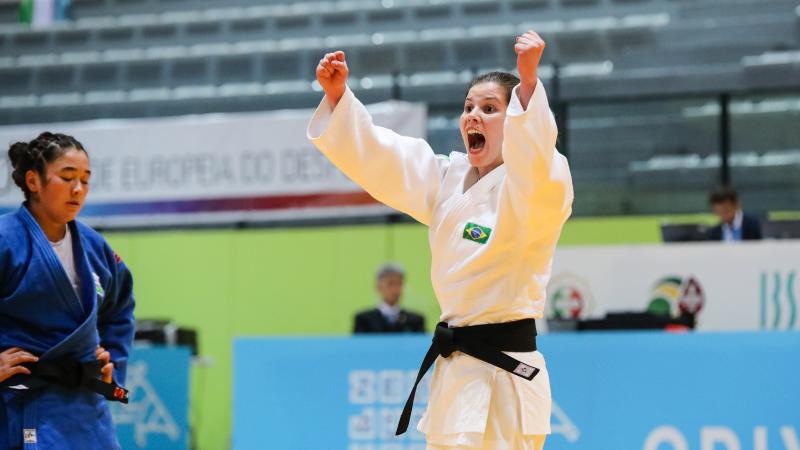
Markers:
(316, 200)
(291, 201)
(265, 203)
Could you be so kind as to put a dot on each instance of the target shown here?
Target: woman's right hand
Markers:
(332, 74)
(10, 361)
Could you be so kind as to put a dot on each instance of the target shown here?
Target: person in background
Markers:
(388, 317)
(734, 225)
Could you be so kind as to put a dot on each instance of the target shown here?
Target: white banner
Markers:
(746, 286)
(211, 168)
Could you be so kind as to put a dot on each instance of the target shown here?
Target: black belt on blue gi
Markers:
(74, 374)
(485, 342)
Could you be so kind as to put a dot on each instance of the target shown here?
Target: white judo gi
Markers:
(492, 249)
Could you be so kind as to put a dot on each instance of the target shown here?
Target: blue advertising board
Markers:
(157, 416)
(611, 391)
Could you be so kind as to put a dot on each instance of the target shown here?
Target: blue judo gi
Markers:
(41, 313)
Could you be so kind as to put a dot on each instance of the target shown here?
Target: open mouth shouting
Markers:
(476, 140)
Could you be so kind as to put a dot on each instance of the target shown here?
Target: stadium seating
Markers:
(615, 61)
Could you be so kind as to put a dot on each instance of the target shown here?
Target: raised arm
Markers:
(400, 171)
(539, 183)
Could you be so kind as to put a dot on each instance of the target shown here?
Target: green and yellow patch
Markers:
(476, 233)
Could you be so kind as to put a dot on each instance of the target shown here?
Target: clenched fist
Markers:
(332, 75)
(529, 48)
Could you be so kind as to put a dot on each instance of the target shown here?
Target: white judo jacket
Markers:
(492, 245)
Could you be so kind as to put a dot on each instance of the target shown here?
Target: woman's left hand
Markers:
(529, 48)
(106, 372)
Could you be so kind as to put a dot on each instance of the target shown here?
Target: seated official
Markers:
(388, 317)
(734, 225)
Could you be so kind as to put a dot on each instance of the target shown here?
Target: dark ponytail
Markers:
(37, 154)
(506, 80)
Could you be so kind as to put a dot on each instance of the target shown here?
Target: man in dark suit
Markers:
(734, 224)
(388, 317)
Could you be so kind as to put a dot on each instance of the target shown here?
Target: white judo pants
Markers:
(503, 422)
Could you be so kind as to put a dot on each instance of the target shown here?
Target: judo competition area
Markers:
(251, 253)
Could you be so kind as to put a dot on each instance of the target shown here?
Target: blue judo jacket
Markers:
(41, 312)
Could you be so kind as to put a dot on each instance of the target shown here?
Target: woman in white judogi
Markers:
(494, 216)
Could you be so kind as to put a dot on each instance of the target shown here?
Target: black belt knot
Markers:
(75, 375)
(485, 342)
(444, 339)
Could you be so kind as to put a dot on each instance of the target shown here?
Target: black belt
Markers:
(74, 374)
(485, 342)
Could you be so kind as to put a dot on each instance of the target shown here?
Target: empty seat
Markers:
(477, 53)
(339, 20)
(130, 5)
(430, 13)
(526, 6)
(35, 115)
(16, 81)
(131, 109)
(100, 76)
(31, 42)
(480, 10)
(188, 72)
(624, 39)
(56, 79)
(244, 29)
(116, 37)
(9, 12)
(426, 57)
(372, 60)
(283, 66)
(203, 31)
(389, 17)
(159, 33)
(144, 74)
(236, 69)
(173, 4)
(72, 39)
(578, 3)
(88, 8)
(292, 23)
(580, 46)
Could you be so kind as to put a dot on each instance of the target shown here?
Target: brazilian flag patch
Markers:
(477, 233)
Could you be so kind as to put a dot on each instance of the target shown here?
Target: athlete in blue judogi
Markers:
(66, 308)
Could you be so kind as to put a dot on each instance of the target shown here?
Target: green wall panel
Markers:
(228, 283)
